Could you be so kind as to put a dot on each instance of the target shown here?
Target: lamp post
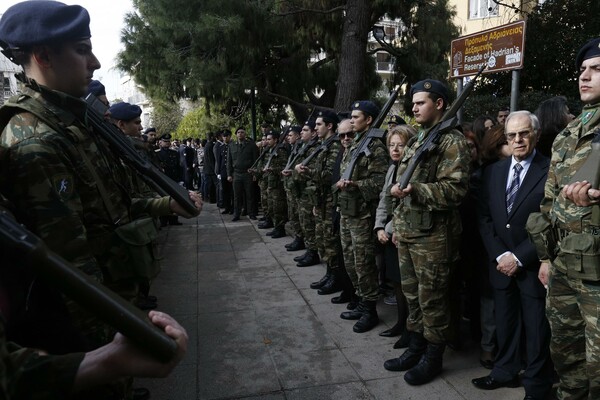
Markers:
(251, 92)
(379, 35)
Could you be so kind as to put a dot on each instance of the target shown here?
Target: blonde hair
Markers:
(404, 131)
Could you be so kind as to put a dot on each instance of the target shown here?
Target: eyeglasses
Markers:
(344, 135)
(522, 134)
(396, 146)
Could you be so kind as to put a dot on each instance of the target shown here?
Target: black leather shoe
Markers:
(319, 284)
(302, 257)
(369, 318)
(253, 217)
(235, 218)
(312, 258)
(271, 233)
(392, 332)
(297, 244)
(352, 314)
(262, 219)
(410, 357)
(265, 225)
(489, 383)
(343, 298)
(278, 233)
(333, 285)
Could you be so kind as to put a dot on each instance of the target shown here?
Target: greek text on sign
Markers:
(501, 48)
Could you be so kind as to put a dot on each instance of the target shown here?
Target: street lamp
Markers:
(252, 110)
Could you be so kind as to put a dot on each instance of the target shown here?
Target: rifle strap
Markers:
(27, 104)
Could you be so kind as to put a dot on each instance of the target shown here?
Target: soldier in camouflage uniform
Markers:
(321, 172)
(291, 189)
(357, 202)
(75, 195)
(427, 229)
(266, 222)
(276, 160)
(567, 236)
(305, 199)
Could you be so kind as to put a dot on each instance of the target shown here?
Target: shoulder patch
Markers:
(63, 185)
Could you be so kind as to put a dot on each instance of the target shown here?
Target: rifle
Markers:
(324, 146)
(373, 133)
(448, 122)
(279, 145)
(300, 154)
(100, 301)
(260, 157)
(127, 152)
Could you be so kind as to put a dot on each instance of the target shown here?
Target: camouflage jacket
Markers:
(569, 151)
(322, 173)
(277, 159)
(369, 172)
(440, 182)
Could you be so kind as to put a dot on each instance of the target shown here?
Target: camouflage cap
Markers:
(42, 21)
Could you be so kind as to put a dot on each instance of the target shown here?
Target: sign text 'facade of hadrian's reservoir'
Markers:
(501, 48)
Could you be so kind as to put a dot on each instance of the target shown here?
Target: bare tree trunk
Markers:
(350, 83)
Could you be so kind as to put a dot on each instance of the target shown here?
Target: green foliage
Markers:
(166, 116)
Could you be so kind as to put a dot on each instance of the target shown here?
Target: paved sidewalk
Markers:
(257, 331)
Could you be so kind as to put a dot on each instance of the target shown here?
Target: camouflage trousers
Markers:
(328, 242)
(264, 196)
(292, 208)
(573, 310)
(426, 274)
(358, 247)
(277, 206)
(307, 222)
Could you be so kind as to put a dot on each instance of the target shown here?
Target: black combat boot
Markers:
(429, 366)
(312, 258)
(292, 243)
(297, 244)
(278, 233)
(334, 284)
(369, 318)
(319, 284)
(411, 356)
(355, 313)
(266, 224)
(302, 257)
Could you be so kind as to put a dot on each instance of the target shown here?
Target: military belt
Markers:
(560, 233)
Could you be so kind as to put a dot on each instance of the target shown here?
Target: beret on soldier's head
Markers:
(329, 116)
(295, 128)
(165, 136)
(42, 22)
(366, 106)
(147, 131)
(226, 132)
(589, 50)
(431, 86)
(96, 88)
(311, 123)
(124, 111)
(396, 119)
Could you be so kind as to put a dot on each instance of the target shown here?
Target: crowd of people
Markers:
(493, 222)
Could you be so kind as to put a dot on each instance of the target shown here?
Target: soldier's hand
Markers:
(230, 179)
(581, 193)
(286, 172)
(544, 274)
(382, 236)
(394, 239)
(401, 193)
(196, 199)
(301, 169)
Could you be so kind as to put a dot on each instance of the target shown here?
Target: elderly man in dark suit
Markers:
(512, 189)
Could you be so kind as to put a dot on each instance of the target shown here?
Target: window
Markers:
(384, 61)
(482, 9)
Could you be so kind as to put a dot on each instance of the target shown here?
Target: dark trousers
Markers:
(243, 193)
(210, 188)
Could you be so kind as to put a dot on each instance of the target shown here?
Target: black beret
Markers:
(366, 106)
(165, 136)
(96, 88)
(396, 119)
(295, 128)
(41, 22)
(589, 50)
(226, 132)
(124, 111)
(310, 123)
(431, 86)
(147, 131)
(329, 116)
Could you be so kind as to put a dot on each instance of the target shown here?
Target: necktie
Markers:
(511, 193)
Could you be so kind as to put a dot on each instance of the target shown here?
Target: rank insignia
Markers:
(427, 85)
(587, 117)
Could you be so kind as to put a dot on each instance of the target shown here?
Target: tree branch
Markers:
(511, 6)
(307, 10)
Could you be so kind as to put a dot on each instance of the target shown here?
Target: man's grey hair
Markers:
(535, 122)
